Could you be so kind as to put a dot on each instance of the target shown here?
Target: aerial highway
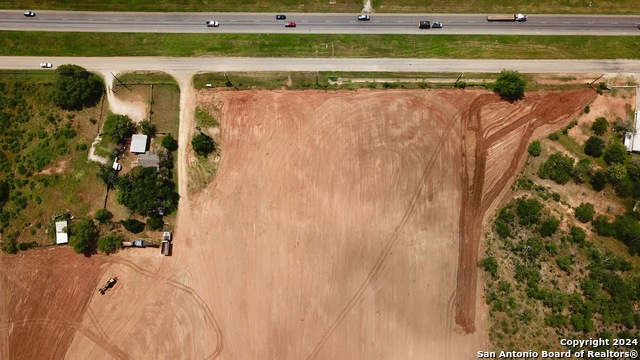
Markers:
(221, 64)
(307, 23)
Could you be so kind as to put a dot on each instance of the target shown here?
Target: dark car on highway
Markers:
(281, 17)
(425, 25)
(437, 25)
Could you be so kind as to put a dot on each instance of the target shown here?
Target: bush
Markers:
(155, 223)
(117, 127)
(202, 144)
(133, 225)
(582, 171)
(558, 168)
(103, 216)
(633, 168)
(510, 85)
(108, 176)
(76, 88)
(600, 126)
(616, 173)
(23, 246)
(528, 211)
(602, 226)
(578, 235)
(490, 265)
(535, 148)
(170, 143)
(507, 215)
(565, 263)
(83, 235)
(598, 181)
(587, 109)
(624, 188)
(594, 146)
(110, 243)
(503, 229)
(615, 153)
(623, 126)
(627, 230)
(554, 136)
(549, 227)
(585, 212)
(556, 320)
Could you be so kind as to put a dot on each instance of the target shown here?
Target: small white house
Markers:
(61, 233)
(138, 144)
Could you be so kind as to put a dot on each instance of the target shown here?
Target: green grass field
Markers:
(408, 6)
(15, 43)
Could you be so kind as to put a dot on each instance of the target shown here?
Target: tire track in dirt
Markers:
(102, 342)
(192, 294)
(380, 263)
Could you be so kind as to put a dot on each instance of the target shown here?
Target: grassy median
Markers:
(16, 43)
(380, 6)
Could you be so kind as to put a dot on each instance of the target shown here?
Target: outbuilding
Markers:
(61, 232)
(632, 140)
(138, 144)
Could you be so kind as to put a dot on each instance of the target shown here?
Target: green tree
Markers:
(169, 143)
(110, 243)
(147, 128)
(578, 235)
(627, 230)
(117, 127)
(623, 126)
(600, 126)
(133, 225)
(602, 226)
(144, 191)
(616, 173)
(549, 227)
(582, 171)
(76, 88)
(490, 265)
(615, 153)
(585, 212)
(510, 85)
(558, 168)
(598, 181)
(83, 235)
(108, 176)
(103, 216)
(202, 144)
(594, 146)
(633, 168)
(528, 211)
(535, 148)
(155, 223)
(623, 188)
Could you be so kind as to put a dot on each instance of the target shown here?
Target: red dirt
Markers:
(341, 225)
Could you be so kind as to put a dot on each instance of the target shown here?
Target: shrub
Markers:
(549, 227)
(503, 229)
(510, 85)
(554, 136)
(627, 230)
(558, 168)
(528, 211)
(155, 223)
(633, 168)
(582, 171)
(507, 215)
(598, 181)
(594, 146)
(27, 245)
(616, 172)
(565, 263)
(600, 126)
(556, 320)
(624, 188)
(578, 235)
(602, 226)
(103, 216)
(585, 212)
(615, 153)
(170, 143)
(490, 265)
(587, 109)
(133, 225)
(76, 88)
(110, 243)
(623, 126)
(202, 144)
(535, 148)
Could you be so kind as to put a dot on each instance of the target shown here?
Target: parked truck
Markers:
(136, 243)
(514, 17)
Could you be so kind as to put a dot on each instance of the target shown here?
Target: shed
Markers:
(61, 232)
(138, 144)
(149, 159)
(632, 140)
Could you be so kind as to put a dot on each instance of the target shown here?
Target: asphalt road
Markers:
(220, 64)
(315, 23)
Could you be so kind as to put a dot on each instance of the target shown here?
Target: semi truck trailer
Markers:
(514, 17)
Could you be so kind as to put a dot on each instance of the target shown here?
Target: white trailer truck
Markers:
(513, 17)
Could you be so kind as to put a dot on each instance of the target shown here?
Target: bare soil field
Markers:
(340, 225)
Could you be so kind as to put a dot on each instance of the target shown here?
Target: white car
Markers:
(364, 17)
(46, 65)
(212, 23)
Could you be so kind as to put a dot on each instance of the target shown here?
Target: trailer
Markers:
(166, 248)
(135, 243)
(513, 17)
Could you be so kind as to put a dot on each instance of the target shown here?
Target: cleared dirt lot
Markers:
(341, 225)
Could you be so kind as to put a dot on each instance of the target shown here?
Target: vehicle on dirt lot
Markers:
(212, 23)
(290, 24)
(46, 65)
(514, 17)
(424, 25)
(109, 284)
(437, 25)
(364, 17)
(29, 14)
(281, 17)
